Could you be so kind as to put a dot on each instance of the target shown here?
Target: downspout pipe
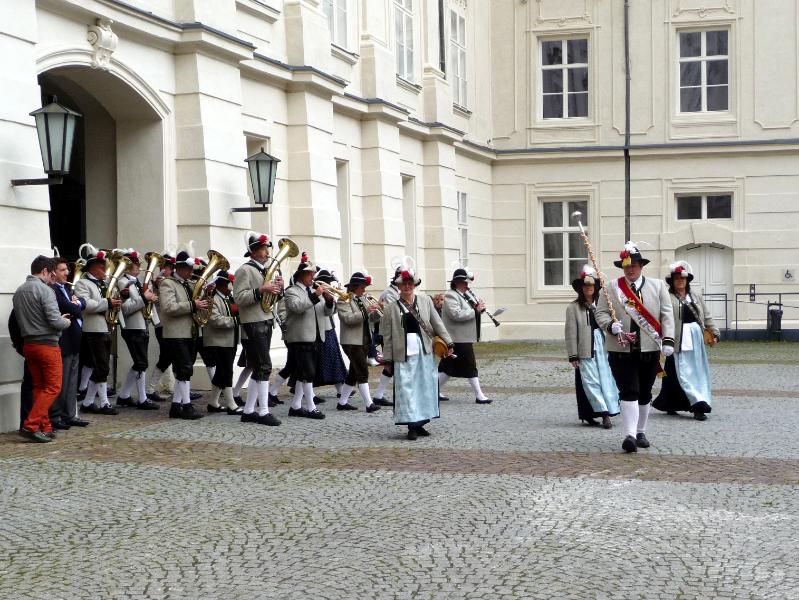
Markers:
(627, 119)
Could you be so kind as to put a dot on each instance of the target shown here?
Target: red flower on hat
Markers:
(406, 274)
(263, 238)
(583, 275)
(624, 254)
(101, 254)
(679, 269)
(171, 260)
(368, 280)
(231, 278)
(134, 255)
(197, 262)
(304, 257)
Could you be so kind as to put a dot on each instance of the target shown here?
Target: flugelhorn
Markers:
(154, 261)
(341, 293)
(117, 265)
(370, 300)
(216, 261)
(286, 248)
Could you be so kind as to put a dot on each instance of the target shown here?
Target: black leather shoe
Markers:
(35, 436)
(271, 403)
(195, 395)
(215, 409)
(486, 401)
(125, 401)
(59, 424)
(275, 399)
(629, 445)
(591, 422)
(147, 405)
(238, 400)
(175, 410)
(443, 398)
(76, 422)
(249, 417)
(412, 434)
(238, 411)
(318, 400)
(700, 416)
(89, 409)
(111, 392)
(155, 397)
(346, 406)
(641, 441)
(269, 419)
(49, 434)
(190, 413)
(107, 410)
(297, 412)
(382, 402)
(372, 407)
(422, 432)
(314, 414)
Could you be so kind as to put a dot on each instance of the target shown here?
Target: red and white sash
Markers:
(638, 312)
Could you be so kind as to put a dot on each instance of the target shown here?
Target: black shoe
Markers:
(291, 390)
(49, 434)
(486, 401)
(591, 422)
(215, 409)
(297, 412)
(155, 397)
(700, 416)
(346, 406)
(111, 392)
(382, 402)
(606, 422)
(372, 407)
(175, 410)
(271, 403)
(314, 414)
(190, 413)
(60, 424)
(249, 417)
(412, 434)
(147, 405)
(629, 445)
(275, 399)
(269, 419)
(89, 409)
(82, 394)
(443, 398)
(76, 422)
(125, 401)
(107, 410)
(195, 395)
(238, 400)
(422, 431)
(641, 441)
(318, 400)
(35, 436)
(235, 411)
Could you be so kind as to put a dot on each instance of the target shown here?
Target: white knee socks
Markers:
(382, 385)
(263, 398)
(102, 394)
(475, 383)
(91, 392)
(243, 377)
(211, 371)
(185, 391)
(442, 379)
(296, 403)
(363, 388)
(346, 390)
(230, 403)
(276, 385)
(629, 416)
(167, 382)
(252, 396)
(214, 399)
(643, 415)
(127, 387)
(85, 373)
(177, 396)
(307, 388)
(141, 386)
(154, 380)
(338, 387)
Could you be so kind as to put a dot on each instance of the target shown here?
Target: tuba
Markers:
(286, 248)
(216, 261)
(118, 264)
(154, 261)
(77, 272)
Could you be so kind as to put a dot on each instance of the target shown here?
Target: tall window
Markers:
(336, 11)
(457, 57)
(564, 78)
(704, 71)
(564, 251)
(714, 206)
(403, 34)
(463, 229)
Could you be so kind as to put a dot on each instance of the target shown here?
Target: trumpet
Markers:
(154, 261)
(216, 261)
(117, 265)
(286, 248)
(370, 300)
(474, 301)
(342, 294)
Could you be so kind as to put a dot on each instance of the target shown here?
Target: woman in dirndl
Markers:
(330, 368)
(408, 353)
(597, 395)
(686, 386)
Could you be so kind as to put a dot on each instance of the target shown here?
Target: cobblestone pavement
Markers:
(511, 500)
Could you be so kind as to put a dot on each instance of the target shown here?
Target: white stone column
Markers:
(441, 243)
(307, 34)
(378, 63)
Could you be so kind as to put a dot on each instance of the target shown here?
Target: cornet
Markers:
(370, 300)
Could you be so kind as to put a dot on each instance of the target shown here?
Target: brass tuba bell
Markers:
(216, 262)
(286, 248)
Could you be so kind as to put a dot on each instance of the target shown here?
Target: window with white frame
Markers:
(564, 78)
(336, 11)
(704, 71)
(463, 229)
(403, 37)
(564, 252)
(457, 57)
(710, 206)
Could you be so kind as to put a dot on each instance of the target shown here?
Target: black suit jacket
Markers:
(70, 338)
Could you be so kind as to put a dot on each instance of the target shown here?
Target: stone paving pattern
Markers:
(511, 500)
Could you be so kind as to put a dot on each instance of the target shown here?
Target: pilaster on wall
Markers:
(440, 209)
(378, 66)
(384, 231)
(210, 152)
(307, 34)
(25, 207)
(220, 14)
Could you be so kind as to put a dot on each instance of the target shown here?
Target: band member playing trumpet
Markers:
(221, 338)
(96, 339)
(164, 358)
(635, 341)
(461, 315)
(302, 335)
(135, 333)
(330, 369)
(249, 288)
(358, 318)
(180, 332)
(389, 295)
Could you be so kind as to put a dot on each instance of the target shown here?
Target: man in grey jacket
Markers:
(41, 324)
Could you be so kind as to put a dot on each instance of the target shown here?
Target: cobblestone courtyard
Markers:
(512, 500)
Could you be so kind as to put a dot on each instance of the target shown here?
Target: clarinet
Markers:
(473, 302)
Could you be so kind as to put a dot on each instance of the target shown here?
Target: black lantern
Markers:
(55, 125)
(263, 168)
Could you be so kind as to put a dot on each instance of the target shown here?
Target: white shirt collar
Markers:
(637, 283)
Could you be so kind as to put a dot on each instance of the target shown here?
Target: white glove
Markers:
(667, 351)
(615, 329)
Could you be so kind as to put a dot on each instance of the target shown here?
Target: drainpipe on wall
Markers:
(627, 234)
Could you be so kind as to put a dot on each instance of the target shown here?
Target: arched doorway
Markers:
(115, 193)
(712, 266)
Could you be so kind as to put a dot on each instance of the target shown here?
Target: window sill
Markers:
(554, 294)
(344, 55)
(703, 118)
(573, 122)
(408, 85)
(461, 111)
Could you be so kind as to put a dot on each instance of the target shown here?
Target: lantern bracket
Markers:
(42, 181)
(251, 209)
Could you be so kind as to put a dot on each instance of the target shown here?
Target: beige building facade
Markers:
(448, 130)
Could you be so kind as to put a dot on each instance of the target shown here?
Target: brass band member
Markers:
(209, 358)
(302, 335)
(135, 334)
(248, 290)
(389, 295)
(461, 315)
(221, 337)
(161, 373)
(180, 332)
(330, 368)
(357, 318)
(634, 342)
(408, 351)
(96, 339)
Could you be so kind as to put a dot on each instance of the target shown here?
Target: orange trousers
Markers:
(44, 363)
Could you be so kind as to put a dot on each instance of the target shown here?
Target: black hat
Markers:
(254, 241)
(588, 276)
(407, 274)
(357, 279)
(324, 275)
(681, 268)
(630, 254)
(91, 255)
(132, 255)
(223, 277)
(305, 266)
(461, 274)
(184, 259)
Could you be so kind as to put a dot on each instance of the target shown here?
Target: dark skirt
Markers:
(584, 409)
(672, 398)
(330, 367)
(463, 365)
